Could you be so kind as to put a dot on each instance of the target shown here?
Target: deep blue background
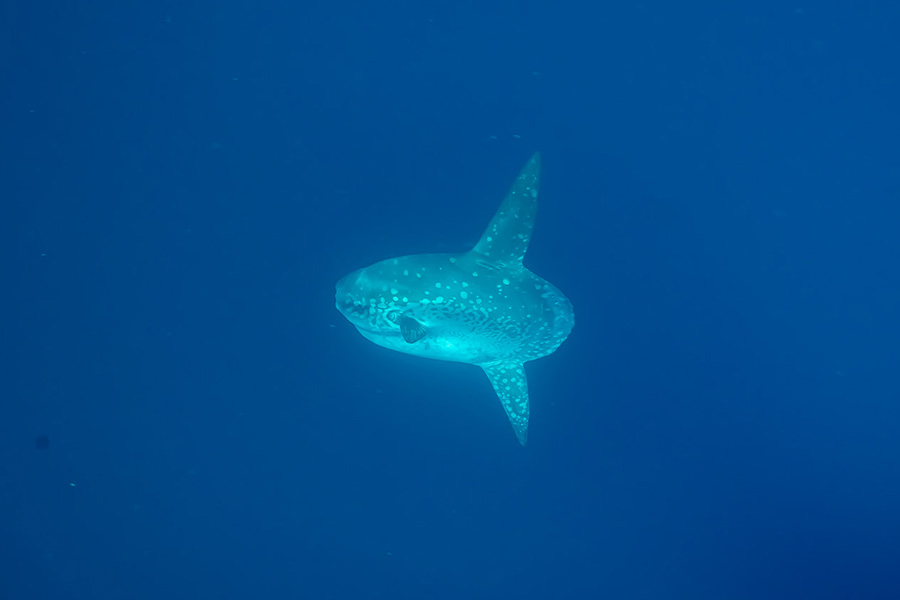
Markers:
(183, 182)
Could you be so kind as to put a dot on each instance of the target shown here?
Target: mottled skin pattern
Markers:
(473, 314)
(482, 307)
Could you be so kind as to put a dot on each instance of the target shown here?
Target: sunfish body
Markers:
(481, 307)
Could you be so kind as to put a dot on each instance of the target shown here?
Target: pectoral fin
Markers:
(511, 386)
(412, 330)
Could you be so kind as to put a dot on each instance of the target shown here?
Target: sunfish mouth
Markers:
(344, 299)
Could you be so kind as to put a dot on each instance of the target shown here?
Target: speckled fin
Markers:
(511, 386)
(412, 330)
(506, 238)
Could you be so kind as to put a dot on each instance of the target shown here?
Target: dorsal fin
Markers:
(506, 238)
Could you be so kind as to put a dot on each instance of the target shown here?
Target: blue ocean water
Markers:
(183, 413)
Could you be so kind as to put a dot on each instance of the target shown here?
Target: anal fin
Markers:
(511, 385)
